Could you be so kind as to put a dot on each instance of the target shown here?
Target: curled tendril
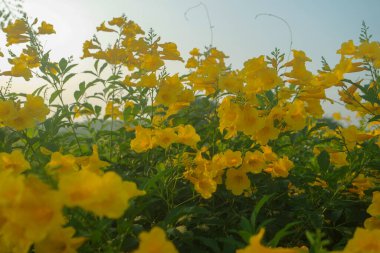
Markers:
(201, 4)
(286, 23)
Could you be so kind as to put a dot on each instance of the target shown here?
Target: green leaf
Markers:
(375, 118)
(54, 95)
(62, 64)
(102, 68)
(246, 225)
(257, 209)
(68, 77)
(77, 95)
(69, 68)
(210, 243)
(324, 160)
(96, 64)
(282, 233)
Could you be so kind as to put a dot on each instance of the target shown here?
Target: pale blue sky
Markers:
(318, 27)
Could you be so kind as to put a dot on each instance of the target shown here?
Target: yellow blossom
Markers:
(35, 214)
(364, 241)
(165, 137)
(151, 62)
(143, 140)
(232, 158)
(155, 241)
(59, 240)
(253, 162)
(205, 186)
(61, 163)
(16, 32)
(280, 168)
(104, 195)
(92, 162)
(14, 162)
(170, 52)
(237, 181)
(256, 246)
(374, 208)
(103, 28)
(187, 135)
(338, 159)
(266, 133)
(45, 28)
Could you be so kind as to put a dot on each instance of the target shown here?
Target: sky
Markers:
(239, 28)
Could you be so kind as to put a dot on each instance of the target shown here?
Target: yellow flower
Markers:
(61, 164)
(280, 168)
(338, 159)
(268, 132)
(374, 208)
(104, 195)
(205, 185)
(249, 121)
(352, 135)
(187, 135)
(16, 32)
(191, 63)
(151, 62)
(165, 137)
(269, 155)
(364, 241)
(19, 69)
(232, 158)
(372, 223)
(92, 162)
(36, 107)
(295, 117)
(103, 28)
(22, 121)
(361, 184)
(255, 246)
(368, 50)
(113, 111)
(8, 110)
(60, 240)
(118, 21)
(347, 48)
(36, 212)
(143, 140)
(148, 81)
(195, 52)
(14, 162)
(299, 74)
(169, 91)
(253, 162)
(155, 241)
(237, 181)
(170, 52)
(46, 28)
(319, 182)
(231, 83)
